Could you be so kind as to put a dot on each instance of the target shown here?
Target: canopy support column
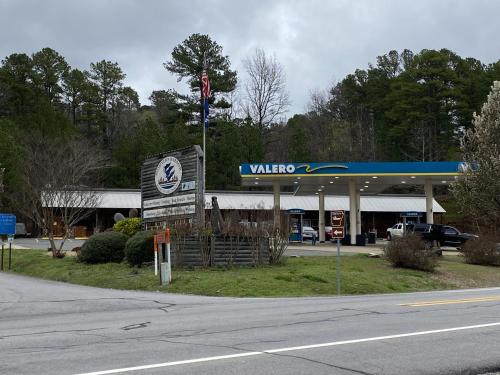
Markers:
(429, 198)
(352, 210)
(358, 212)
(276, 205)
(321, 197)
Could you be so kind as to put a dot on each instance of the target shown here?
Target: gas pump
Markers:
(295, 224)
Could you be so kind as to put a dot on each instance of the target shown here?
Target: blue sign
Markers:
(295, 211)
(411, 214)
(7, 224)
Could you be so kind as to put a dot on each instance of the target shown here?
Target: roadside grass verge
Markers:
(306, 276)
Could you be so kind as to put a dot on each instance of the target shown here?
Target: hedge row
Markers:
(109, 247)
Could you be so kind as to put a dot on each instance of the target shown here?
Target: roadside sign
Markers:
(163, 236)
(7, 224)
(337, 222)
(338, 233)
(337, 218)
(10, 239)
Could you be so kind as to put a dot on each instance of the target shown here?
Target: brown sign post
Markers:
(165, 268)
(338, 224)
(338, 233)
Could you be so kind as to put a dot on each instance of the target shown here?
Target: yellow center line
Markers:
(450, 301)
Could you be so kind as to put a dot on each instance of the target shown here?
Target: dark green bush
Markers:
(484, 251)
(139, 248)
(411, 252)
(103, 247)
(128, 226)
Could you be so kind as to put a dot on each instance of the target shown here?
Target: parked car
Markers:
(307, 232)
(21, 230)
(449, 236)
(418, 228)
(445, 235)
(395, 231)
(328, 233)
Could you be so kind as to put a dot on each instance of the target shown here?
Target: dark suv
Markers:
(418, 228)
(445, 235)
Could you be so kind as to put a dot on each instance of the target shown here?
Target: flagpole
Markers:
(204, 162)
(204, 140)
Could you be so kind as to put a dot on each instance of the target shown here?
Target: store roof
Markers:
(378, 203)
(126, 199)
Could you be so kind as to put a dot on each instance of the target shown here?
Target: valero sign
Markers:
(288, 168)
(272, 168)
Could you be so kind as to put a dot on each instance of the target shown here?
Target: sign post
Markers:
(10, 239)
(155, 248)
(7, 227)
(169, 264)
(165, 268)
(338, 233)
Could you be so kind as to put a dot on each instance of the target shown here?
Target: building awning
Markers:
(126, 199)
(380, 203)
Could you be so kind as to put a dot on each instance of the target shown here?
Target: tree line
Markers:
(405, 106)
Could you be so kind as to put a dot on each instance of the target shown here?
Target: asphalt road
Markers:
(54, 328)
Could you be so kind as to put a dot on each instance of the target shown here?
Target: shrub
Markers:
(484, 251)
(103, 247)
(139, 248)
(128, 226)
(411, 252)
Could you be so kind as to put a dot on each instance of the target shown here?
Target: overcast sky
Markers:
(318, 42)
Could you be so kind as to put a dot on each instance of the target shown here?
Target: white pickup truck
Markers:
(395, 231)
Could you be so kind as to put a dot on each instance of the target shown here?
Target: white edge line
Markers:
(472, 290)
(169, 364)
(289, 349)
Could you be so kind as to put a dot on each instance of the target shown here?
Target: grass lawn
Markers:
(306, 276)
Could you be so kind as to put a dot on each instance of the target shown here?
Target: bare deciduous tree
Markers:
(54, 184)
(265, 90)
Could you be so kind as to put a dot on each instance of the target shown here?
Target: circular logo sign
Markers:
(168, 175)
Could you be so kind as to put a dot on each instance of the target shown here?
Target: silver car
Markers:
(308, 232)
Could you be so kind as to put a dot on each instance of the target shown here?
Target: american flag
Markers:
(205, 92)
(205, 84)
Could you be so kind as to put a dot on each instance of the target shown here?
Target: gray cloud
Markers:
(317, 42)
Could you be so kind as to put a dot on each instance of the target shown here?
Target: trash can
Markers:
(372, 237)
(360, 239)
(346, 241)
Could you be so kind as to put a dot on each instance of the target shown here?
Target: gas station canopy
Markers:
(353, 179)
(334, 177)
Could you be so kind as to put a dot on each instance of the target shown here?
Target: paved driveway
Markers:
(36, 243)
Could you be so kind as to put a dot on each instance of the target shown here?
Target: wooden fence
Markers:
(191, 251)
